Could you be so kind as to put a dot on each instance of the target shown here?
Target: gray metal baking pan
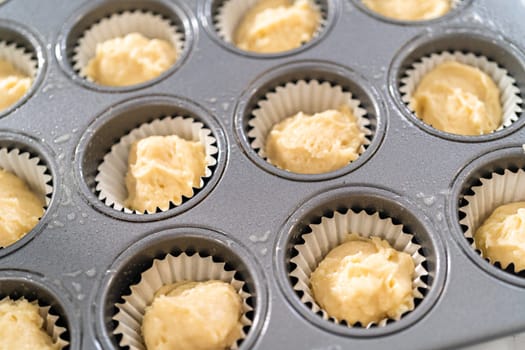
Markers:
(84, 255)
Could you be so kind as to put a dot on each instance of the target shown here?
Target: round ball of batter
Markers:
(501, 237)
(459, 99)
(193, 315)
(364, 280)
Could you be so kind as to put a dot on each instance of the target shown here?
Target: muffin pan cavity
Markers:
(456, 7)
(20, 47)
(310, 87)
(499, 58)
(60, 319)
(494, 179)
(29, 161)
(383, 211)
(101, 157)
(95, 23)
(221, 18)
(212, 247)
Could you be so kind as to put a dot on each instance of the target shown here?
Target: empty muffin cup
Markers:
(309, 97)
(165, 271)
(148, 24)
(31, 171)
(492, 191)
(49, 322)
(110, 180)
(333, 231)
(509, 94)
(230, 14)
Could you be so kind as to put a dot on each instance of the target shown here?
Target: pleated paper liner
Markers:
(309, 97)
(110, 180)
(151, 25)
(509, 93)
(19, 58)
(22, 60)
(495, 190)
(454, 4)
(166, 271)
(30, 170)
(331, 232)
(231, 12)
(50, 324)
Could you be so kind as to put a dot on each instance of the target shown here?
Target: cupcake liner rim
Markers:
(287, 95)
(493, 192)
(114, 25)
(194, 265)
(54, 331)
(396, 236)
(114, 162)
(511, 101)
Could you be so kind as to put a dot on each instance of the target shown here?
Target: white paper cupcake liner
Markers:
(231, 12)
(332, 232)
(29, 169)
(110, 180)
(454, 4)
(50, 324)
(19, 58)
(509, 93)
(494, 191)
(166, 271)
(308, 97)
(151, 25)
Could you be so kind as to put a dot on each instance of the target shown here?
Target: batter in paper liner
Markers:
(410, 10)
(315, 144)
(277, 25)
(163, 169)
(20, 209)
(501, 237)
(21, 327)
(193, 315)
(13, 84)
(364, 280)
(130, 60)
(459, 99)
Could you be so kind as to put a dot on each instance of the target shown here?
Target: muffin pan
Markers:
(84, 255)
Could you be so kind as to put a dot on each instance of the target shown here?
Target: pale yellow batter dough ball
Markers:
(501, 237)
(364, 280)
(272, 26)
(130, 60)
(21, 327)
(315, 144)
(13, 84)
(193, 315)
(20, 208)
(410, 10)
(459, 99)
(161, 170)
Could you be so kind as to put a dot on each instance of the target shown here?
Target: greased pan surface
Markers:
(84, 255)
